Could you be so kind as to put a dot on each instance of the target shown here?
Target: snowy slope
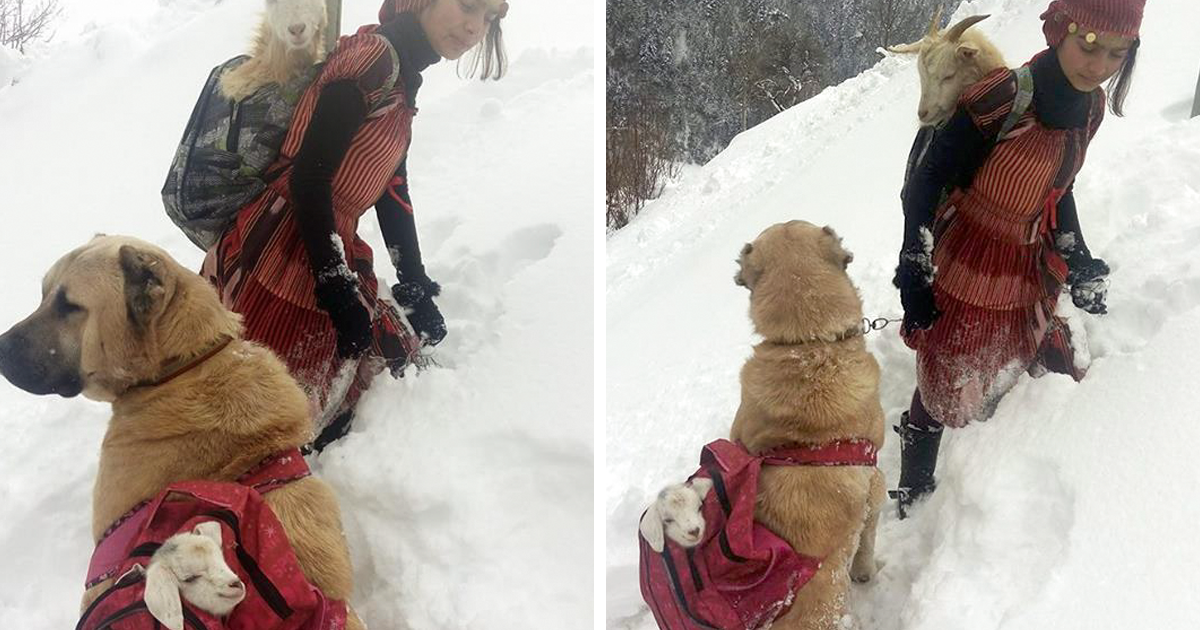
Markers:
(1073, 507)
(466, 489)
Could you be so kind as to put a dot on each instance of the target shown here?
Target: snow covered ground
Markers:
(1074, 507)
(466, 490)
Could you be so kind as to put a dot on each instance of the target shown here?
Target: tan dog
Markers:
(811, 381)
(119, 314)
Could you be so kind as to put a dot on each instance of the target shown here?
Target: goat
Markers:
(676, 512)
(290, 40)
(191, 564)
(948, 62)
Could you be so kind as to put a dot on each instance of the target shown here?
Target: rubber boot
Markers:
(918, 459)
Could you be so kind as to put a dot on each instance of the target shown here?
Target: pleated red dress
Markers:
(998, 276)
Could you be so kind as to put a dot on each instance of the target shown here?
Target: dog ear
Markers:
(701, 486)
(835, 253)
(162, 596)
(144, 290)
(651, 528)
(745, 276)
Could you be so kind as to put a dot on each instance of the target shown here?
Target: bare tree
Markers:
(884, 17)
(21, 23)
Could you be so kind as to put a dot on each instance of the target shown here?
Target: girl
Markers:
(293, 265)
(980, 272)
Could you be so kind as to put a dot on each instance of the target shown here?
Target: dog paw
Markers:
(864, 574)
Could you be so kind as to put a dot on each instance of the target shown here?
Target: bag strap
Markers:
(1021, 103)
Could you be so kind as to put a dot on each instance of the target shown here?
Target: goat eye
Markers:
(668, 521)
(189, 579)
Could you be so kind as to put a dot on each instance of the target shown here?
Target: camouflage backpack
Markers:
(222, 161)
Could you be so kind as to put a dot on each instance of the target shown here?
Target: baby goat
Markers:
(676, 512)
(191, 564)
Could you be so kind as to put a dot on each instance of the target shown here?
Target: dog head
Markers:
(799, 290)
(113, 313)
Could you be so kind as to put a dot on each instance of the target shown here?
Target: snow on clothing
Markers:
(262, 266)
(998, 272)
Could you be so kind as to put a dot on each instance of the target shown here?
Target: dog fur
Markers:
(811, 381)
(115, 313)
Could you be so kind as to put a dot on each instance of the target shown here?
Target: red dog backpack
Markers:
(741, 575)
(278, 596)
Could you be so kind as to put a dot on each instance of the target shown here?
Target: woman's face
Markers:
(1088, 65)
(456, 26)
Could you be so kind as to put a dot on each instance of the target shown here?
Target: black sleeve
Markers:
(955, 153)
(399, 227)
(1068, 236)
(339, 112)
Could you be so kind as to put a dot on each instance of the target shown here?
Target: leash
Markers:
(879, 323)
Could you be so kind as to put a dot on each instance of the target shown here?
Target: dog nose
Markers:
(296, 29)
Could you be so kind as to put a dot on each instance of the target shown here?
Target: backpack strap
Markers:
(1021, 103)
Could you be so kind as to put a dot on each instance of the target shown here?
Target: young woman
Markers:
(293, 265)
(980, 272)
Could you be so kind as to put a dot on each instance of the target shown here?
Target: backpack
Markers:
(222, 162)
(926, 133)
(278, 596)
(741, 575)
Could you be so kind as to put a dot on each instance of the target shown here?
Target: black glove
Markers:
(914, 278)
(337, 294)
(416, 296)
(1088, 279)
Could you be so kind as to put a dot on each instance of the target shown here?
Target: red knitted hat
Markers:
(392, 8)
(1115, 17)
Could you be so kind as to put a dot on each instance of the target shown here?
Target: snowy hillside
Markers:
(1073, 508)
(466, 490)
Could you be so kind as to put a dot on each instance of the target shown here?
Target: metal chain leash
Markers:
(879, 323)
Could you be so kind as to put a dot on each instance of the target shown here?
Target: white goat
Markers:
(191, 564)
(948, 62)
(290, 39)
(676, 512)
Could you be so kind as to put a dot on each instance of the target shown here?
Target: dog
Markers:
(811, 381)
(120, 321)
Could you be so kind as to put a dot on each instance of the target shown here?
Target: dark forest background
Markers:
(685, 76)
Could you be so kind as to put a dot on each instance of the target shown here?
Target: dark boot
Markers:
(920, 436)
(330, 434)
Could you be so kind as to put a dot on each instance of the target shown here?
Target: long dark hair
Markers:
(1118, 86)
(489, 56)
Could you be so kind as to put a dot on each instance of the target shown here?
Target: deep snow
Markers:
(466, 489)
(1073, 507)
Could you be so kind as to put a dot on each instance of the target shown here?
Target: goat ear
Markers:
(967, 50)
(210, 530)
(652, 528)
(701, 486)
(144, 290)
(162, 596)
(907, 49)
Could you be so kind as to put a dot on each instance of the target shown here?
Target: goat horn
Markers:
(933, 23)
(957, 30)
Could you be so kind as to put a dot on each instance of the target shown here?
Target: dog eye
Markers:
(63, 306)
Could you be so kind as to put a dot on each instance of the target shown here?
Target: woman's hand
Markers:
(1088, 280)
(416, 296)
(914, 278)
(337, 294)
